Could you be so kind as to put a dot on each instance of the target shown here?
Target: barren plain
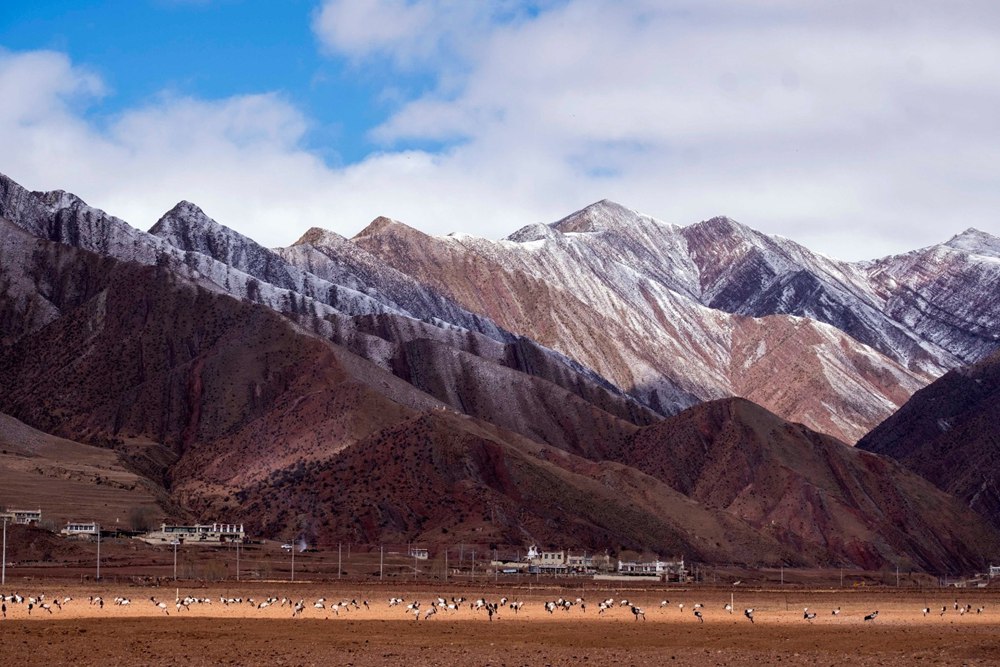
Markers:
(82, 633)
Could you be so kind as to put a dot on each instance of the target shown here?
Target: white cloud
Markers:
(792, 117)
(855, 129)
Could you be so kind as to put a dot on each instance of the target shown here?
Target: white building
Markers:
(24, 517)
(81, 528)
(659, 568)
(197, 533)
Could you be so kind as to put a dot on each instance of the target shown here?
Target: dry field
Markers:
(241, 634)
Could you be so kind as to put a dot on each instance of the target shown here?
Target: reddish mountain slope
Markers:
(832, 503)
(579, 288)
(441, 478)
(948, 433)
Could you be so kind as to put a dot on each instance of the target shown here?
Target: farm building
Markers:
(668, 569)
(197, 533)
(24, 517)
(81, 529)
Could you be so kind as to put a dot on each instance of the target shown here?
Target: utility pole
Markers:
(338, 559)
(98, 552)
(3, 572)
(446, 565)
(175, 543)
(381, 561)
(897, 575)
(293, 560)
(237, 560)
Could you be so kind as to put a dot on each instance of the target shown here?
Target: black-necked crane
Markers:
(835, 612)
(697, 612)
(871, 616)
(808, 615)
(637, 612)
(749, 614)
(926, 610)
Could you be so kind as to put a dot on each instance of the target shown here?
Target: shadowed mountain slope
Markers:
(948, 433)
(831, 503)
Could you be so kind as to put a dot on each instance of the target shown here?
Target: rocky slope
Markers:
(270, 422)
(948, 433)
(620, 295)
(367, 321)
(833, 504)
(402, 387)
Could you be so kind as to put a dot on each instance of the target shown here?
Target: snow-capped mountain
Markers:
(662, 311)
(405, 387)
(362, 315)
(667, 315)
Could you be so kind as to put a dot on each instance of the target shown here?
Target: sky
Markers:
(856, 128)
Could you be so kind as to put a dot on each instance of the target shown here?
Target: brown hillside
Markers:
(71, 481)
(834, 503)
(948, 433)
(442, 478)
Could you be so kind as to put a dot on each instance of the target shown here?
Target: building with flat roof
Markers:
(81, 529)
(196, 534)
(667, 569)
(24, 517)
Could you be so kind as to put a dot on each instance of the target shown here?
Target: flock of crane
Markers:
(418, 609)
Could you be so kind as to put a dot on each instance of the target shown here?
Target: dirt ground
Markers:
(242, 634)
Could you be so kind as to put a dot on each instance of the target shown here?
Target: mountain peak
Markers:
(317, 236)
(720, 225)
(976, 242)
(383, 226)
(189, 228)
(57, 200)
(598, 217)
(183, 216)
(533, 232)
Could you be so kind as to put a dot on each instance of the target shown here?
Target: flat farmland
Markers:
(214, 633)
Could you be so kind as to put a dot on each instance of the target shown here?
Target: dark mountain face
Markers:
(948, 433)
(835, 503)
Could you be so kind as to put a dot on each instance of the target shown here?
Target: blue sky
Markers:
(210, 50)
(858, 129)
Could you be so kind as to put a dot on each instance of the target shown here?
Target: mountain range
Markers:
(606, 381)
